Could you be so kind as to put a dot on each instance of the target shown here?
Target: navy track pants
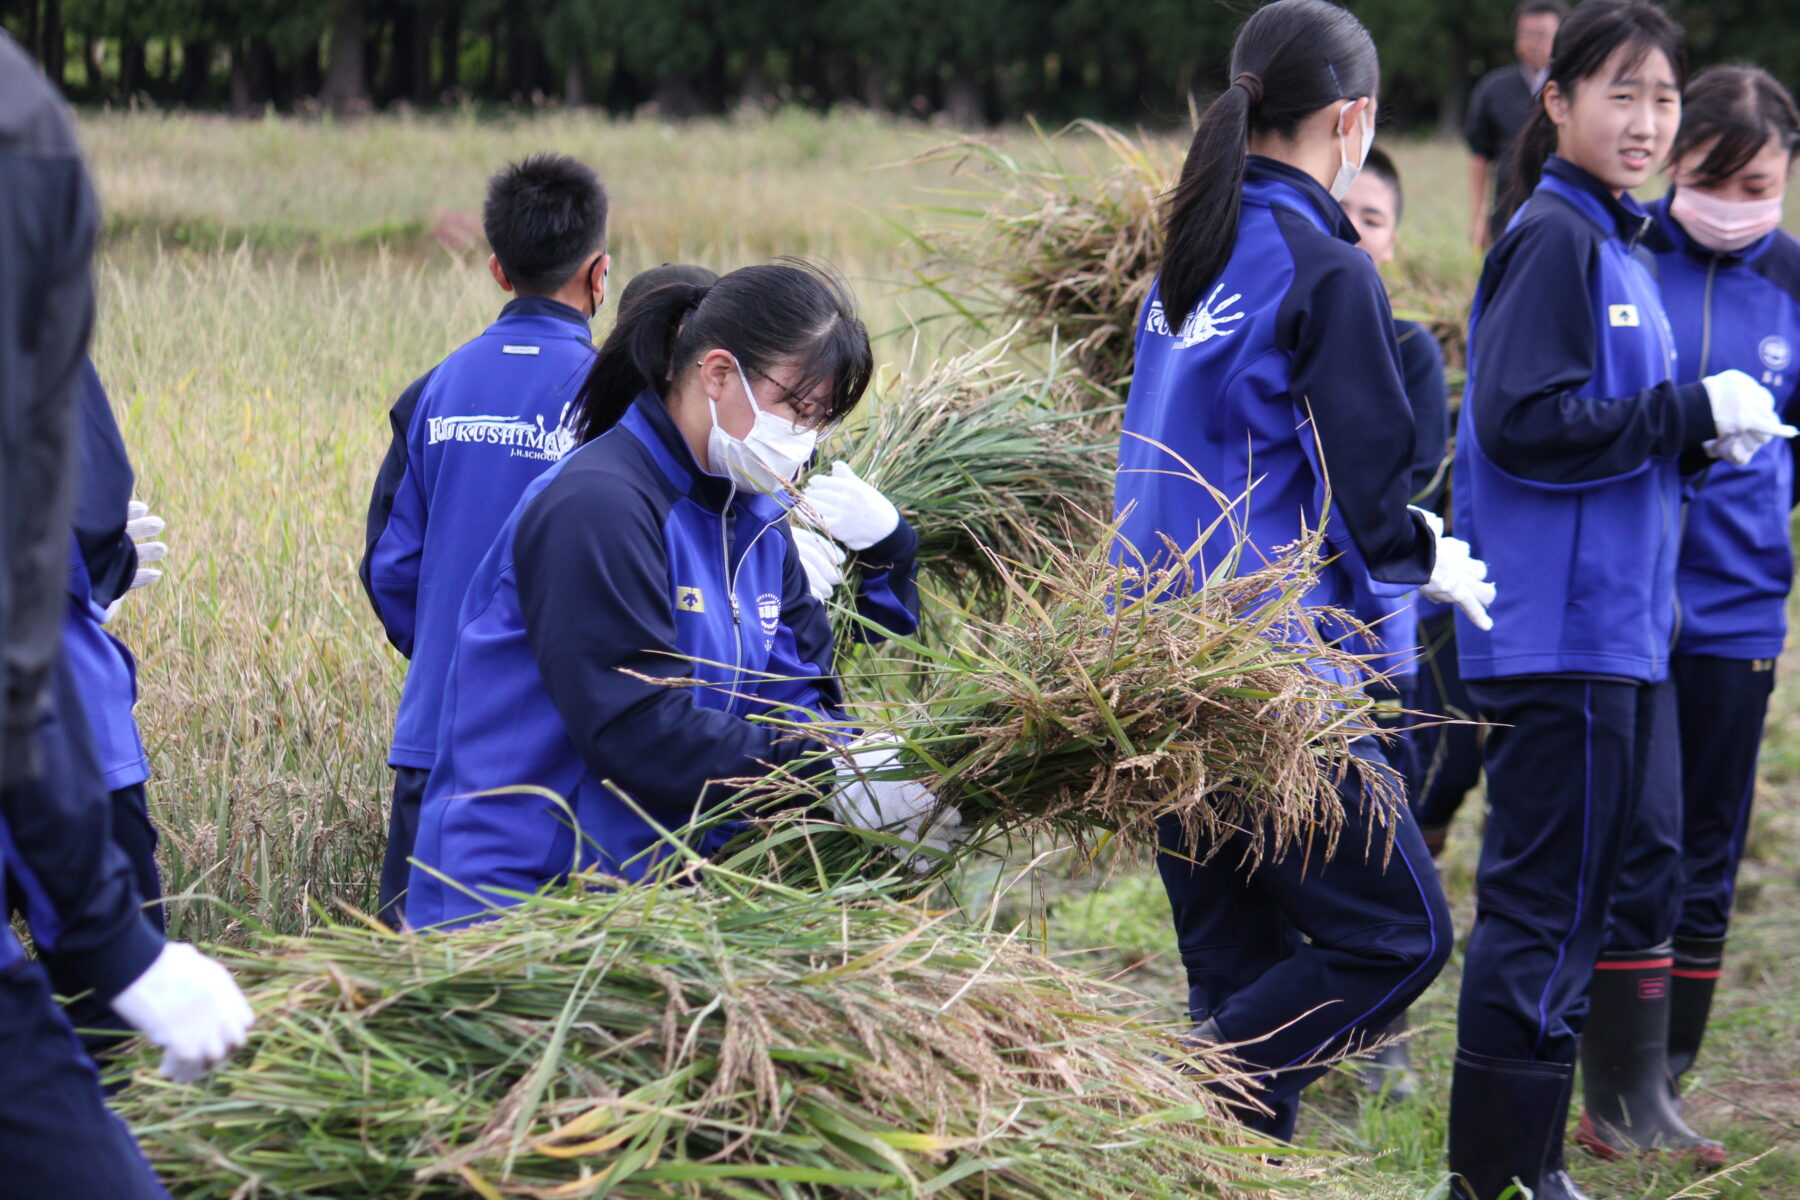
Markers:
(403, 831)
(1568, 761)
(1723, 703)
(57, 1137)
(1448, 757)
(1299, 957)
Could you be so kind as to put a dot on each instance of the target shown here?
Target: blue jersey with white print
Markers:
(1567, 477)
(1737, 560)
(1277, 407)
(468, 436)
(622, 567)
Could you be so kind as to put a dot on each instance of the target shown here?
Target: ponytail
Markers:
(636, 355)
(1584, 43)
(1291, 59)
(788, 312)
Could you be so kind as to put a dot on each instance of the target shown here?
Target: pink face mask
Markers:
(1724, 225)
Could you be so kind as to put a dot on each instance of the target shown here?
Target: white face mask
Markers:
(769, 457)
(1347, 170)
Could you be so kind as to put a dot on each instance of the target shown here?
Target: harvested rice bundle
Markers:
(982, 456)
(1107, 697)
(725, 1040)
(1068, 247)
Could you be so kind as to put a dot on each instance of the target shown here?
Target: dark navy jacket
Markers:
(469, 435)
(622, 565)
(102, 561)
(1284, 375)
(1567, 482)
(1737, 559)
(1395, 619)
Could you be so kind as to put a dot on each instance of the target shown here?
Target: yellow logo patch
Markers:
(689, 599)
(1622, 316)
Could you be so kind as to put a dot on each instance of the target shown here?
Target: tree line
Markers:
(975, 61)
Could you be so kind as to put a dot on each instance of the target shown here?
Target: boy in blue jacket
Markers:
(469, 435)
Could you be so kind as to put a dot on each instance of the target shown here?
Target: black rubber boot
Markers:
(1624, 1064)
(1691, 984)
(1502, 1114)
(1558, 1185)
(1387, 1073)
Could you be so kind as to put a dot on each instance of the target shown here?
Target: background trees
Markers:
(973, 60)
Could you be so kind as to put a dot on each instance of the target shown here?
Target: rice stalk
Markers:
(731, 1039)
(1108, 697)
(981, 455)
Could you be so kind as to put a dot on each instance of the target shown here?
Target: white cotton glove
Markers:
(141, 523)
(188, 1005)
(823, 560)
(897, 806)
(853, 512)
(1458, 577)
(1744, 413)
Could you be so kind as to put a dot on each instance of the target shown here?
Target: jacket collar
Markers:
(1680, 239)
(649, 420)
(1622, 215)
(544, 306)
(1278, 183)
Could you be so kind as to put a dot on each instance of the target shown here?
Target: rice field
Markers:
(268, 287)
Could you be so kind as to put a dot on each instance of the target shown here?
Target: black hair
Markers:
(1740, 109)
(1382, 167)
(780, 312)
(545, 216)
(645, 282)
(1593, 32)
(1291, 59)
(1539, 8)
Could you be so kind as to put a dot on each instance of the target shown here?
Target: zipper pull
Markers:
(736, 619)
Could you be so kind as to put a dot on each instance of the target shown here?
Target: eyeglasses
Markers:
(808, 414)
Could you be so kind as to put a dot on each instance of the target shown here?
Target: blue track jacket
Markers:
(1284, 376)
(102, 561)
(1567, 483)
(468, 436)
(622, 561)
(1737, 559)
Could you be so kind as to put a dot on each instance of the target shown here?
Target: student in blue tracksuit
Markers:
(659, 551)
(1568, 485)
(1266, 361)
(1730, 279)
(468, 436)
(1374, 203)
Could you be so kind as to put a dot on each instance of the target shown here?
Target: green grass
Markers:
(267, 288)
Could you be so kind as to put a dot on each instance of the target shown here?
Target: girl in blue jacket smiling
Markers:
(657, 552)
(1730, 279)
(1568, 485)
(1266, 364)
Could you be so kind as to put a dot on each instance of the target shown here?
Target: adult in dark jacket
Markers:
(1499, 107)
(56, 1134)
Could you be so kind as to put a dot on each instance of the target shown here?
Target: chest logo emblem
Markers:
(1203, 324)
(689, 599)
(768, 613)
(1622, 316)
(1776, 353)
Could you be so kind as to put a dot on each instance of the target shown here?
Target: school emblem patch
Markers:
(1775, 352)
(689, 599)
(1622, 316)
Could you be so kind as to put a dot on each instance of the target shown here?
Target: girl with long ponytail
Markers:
(1267, 370)
(1578, 422)
(657, 553)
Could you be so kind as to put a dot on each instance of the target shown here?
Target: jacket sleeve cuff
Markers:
(115, 965)
(902, 545)
(1696, 413)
